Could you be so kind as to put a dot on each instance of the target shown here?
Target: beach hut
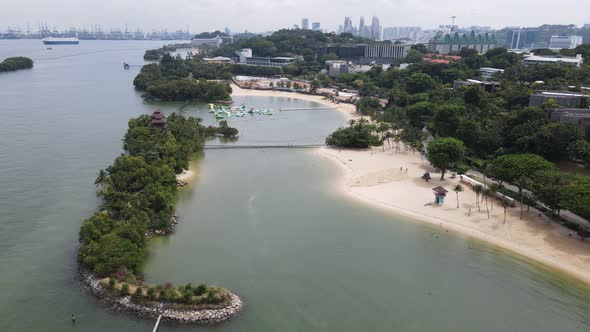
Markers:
(439, 194)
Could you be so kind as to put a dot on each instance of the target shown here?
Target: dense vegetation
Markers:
(358, 135)
(502, 135)
(15, 63)
(171, 79)
(138, 193)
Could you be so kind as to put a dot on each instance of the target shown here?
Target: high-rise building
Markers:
(375, 28)
(315, 26)
(560, 42)
(361, 26)
(305, 23)
(587, 26)
(348, 28)
(520, 39)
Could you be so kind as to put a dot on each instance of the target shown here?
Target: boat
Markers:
(61, 41)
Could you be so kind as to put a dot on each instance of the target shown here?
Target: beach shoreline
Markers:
(390, 180)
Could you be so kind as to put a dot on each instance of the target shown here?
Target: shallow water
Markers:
(265, 223)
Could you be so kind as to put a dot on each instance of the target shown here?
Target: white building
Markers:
(487, 72)
(533, 59)
(560, 42)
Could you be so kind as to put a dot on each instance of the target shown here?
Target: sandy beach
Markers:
(348, 110)
(374, 177)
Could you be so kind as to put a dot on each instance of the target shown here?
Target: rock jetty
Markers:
(210, 315)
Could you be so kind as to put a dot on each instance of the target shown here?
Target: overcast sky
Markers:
(264, 15)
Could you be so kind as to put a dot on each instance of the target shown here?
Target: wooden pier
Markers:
(274, 146)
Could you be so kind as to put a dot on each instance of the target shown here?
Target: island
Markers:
(138, 193)
(16, 63)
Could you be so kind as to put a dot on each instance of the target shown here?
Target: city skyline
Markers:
(261, 15)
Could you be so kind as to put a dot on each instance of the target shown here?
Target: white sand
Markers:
(374, 177)
(186, 176)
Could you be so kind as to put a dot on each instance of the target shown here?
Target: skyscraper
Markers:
(305, 23)
(375, 29)
(361, 26)
(315, 26)
(348, 28)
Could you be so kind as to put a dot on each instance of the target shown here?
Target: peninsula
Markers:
(138, 193)
(15, 63)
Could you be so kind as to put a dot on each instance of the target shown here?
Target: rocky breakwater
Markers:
(175, 312)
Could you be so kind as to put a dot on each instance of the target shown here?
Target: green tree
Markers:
(511, 167)
(444, 152)
(419, 82)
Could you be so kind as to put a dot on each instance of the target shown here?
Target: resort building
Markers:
(218, 59)
(488, 72)
(245, 58)
(211, 42)
(577, 116)
(489, 86)
(455, 42)
(561, 42)
(562, 98)
(380, 53)
(335, 68)
(533, 59)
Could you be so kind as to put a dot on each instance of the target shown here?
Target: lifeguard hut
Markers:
(439, 194)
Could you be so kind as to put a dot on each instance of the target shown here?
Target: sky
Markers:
(267, 15)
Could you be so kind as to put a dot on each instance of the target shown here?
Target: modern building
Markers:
(245, 58)
(448, 43)
(218, 59)
(380, 53)
(335, 68)
(488, 86)
(532, 59)
(561, 42)
(562, 98)
(577, 116)
(347, 27)
(305, 23)
(587, 26)
(375, 29)
(487, 72)
(521, 39)
(398, 33)
(315, 26)
(214, 42)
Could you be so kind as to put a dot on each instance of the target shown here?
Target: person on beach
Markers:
(73, 319)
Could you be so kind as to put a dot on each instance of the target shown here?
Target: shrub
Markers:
(200, 290)
(151, 293)
(112, 282)
(125, 289)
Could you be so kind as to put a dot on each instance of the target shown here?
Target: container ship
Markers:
(61, 41)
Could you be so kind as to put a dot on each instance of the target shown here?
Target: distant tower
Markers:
(453, 23)
(315, 26)
(375, 28)
(362, 27)
(348, 25)
(304, 23)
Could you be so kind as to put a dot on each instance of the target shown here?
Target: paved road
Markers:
(565, 214)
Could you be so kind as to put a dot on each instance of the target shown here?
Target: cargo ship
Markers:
(61, 41)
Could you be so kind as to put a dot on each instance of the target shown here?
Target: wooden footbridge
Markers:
(307, 109)
(261, 146)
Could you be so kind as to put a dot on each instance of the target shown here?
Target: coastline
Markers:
(167, 311)
(372, 177)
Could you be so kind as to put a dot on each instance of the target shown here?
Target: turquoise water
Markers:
(265, 223)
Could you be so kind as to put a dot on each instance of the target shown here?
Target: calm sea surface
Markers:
(265, 223)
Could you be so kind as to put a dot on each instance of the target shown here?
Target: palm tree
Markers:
(457, 189)
(522, 182)
(489, 192)
(505, 204)
(102, 179)
(478, 188)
